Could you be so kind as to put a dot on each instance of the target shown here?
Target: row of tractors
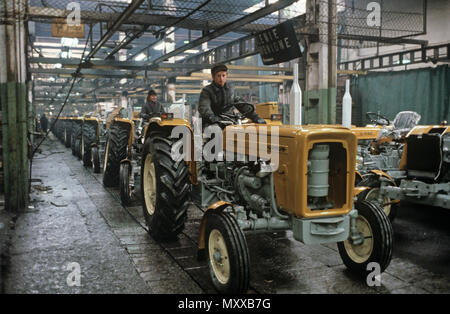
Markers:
(332, 185)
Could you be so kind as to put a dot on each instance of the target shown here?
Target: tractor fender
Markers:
(383, 174)
(359, 189)
(126, 160)
(157, 124)
(220, 205)
(129, 123)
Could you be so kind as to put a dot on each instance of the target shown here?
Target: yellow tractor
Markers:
(264, 178)
(379, 158)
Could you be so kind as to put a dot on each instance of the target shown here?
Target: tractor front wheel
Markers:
(374, 242)
(227, 252)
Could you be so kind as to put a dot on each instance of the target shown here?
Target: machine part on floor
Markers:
(371, 239)
(116, 151)
(165, 187)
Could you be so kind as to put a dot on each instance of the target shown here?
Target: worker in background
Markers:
(151, 108)
(44, 123)
(218, 98)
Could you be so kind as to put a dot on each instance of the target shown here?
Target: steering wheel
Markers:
(240, 106)
(228, 119)
(377, 118)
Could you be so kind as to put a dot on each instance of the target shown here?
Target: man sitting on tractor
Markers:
(152, 108)
(218, 98)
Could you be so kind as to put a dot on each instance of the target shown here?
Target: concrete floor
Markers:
(74, 219)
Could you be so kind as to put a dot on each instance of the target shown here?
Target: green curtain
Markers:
(426, 91)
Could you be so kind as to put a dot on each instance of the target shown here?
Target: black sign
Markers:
(278, 44)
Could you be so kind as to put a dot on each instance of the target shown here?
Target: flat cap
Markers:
(218, 67)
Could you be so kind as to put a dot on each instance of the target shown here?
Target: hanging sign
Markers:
(278, 44)
(60, 28)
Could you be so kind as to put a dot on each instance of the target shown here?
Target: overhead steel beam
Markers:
(133, 6)
(127, 40)
(140, 65)
(42, 14)
(90, 73)
(92, 64)
(227, 28)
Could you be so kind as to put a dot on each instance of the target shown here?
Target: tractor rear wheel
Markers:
(373, 182)
(227, 252)
(165, 188)
(116, 151)
(95, 159)
(89, 138)
(67, 134)
(376, 233)
(125, 188)
(76, 137)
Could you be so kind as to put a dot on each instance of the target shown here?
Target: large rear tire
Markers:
(165, 188)
(95, 159)
(76, 138)
(67, 133)
(227, 251)
(376, 230)
(125, 188)
(89, 138)
(116, 151)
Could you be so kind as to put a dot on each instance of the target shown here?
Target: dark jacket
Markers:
(151, 109)
(215, 100)
(44, 123)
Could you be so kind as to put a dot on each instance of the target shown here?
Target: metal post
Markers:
(13, 94)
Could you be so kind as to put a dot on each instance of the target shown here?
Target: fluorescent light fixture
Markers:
(186, 41)
(258, 6)
(140, 57)
(159, 46)
(66, 54)
(69, 42)
(192, 51)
